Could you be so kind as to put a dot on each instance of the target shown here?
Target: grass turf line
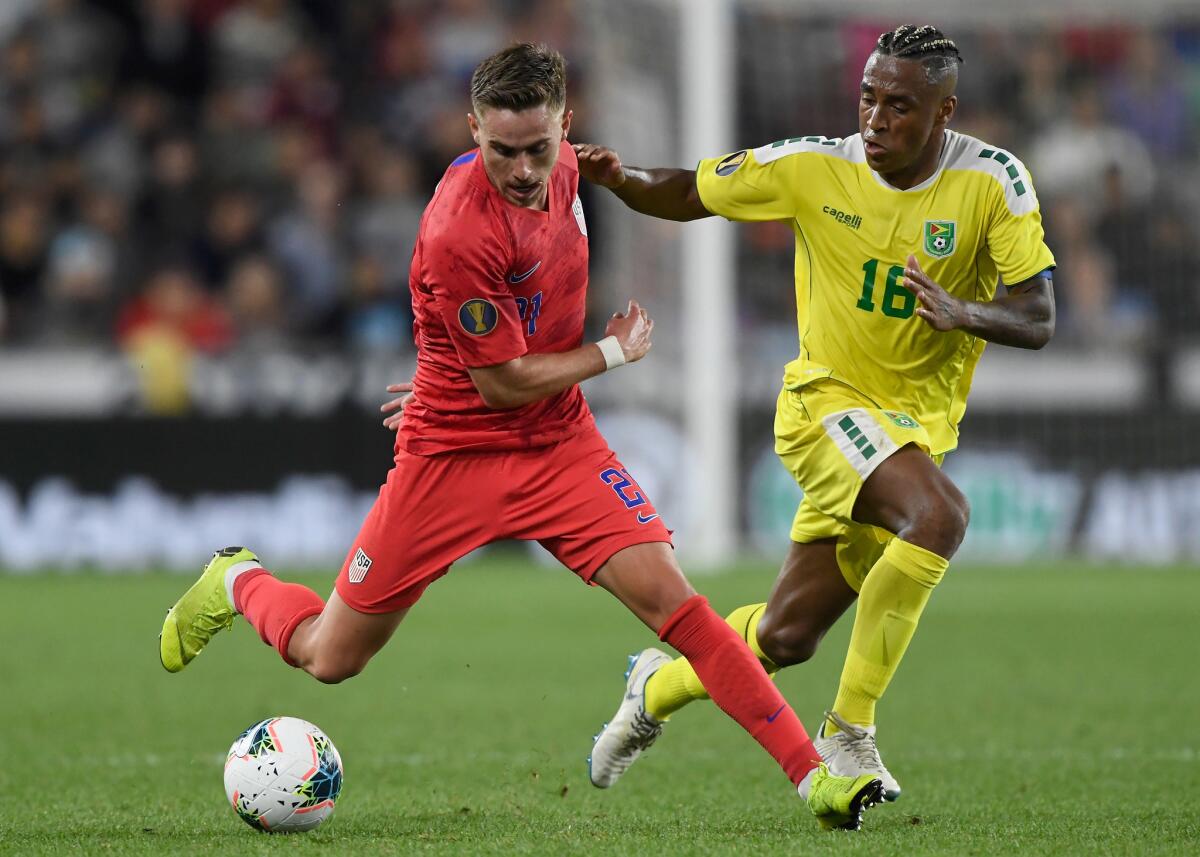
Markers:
(1040, 710)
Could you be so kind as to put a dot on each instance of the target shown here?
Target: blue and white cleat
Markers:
(632, 729)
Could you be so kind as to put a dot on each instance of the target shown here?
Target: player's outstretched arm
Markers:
(537, 376)
(1024, 318)
(664, 192)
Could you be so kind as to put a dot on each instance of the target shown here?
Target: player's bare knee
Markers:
(964, 511)
(941, 523)
(333, 675)
(335, 670)
(788, 644)
(955, 514)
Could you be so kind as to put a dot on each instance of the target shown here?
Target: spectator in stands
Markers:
(76, 61)
(116, 152)
(20, 77)
(28, 151)
(173, 302)
(1041, 97)
(88, 261)
(1146, 96)
(171, 208)
(252, 39)
(1092, 310)
(384, 221)
(24, 238)
(161, 329)
(232, 230)
(1122, 226)
(1072, 156)
(307, 241)
(14, 13)
(166, 51)
(462, 31)
(254, 293)
(379, 318)
(303, 94)
(236, 145)
(1170, 265)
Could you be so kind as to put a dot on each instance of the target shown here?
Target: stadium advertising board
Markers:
(139, 516)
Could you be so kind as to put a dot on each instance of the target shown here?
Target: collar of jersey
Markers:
(946, 143)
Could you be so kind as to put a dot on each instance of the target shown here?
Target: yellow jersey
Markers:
(974, 222)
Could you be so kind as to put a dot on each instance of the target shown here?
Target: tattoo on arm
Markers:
(1024, 318)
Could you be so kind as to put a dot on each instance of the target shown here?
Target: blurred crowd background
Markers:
(208, 207)
(214, 175)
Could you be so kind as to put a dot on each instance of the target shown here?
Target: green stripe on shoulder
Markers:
(824, 141)
(841, 148)
(1005, 159)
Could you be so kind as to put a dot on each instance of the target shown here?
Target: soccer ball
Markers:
(283, 775)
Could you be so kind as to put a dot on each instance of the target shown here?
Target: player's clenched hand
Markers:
(395, 408)
(599, 165)
(632, 329)
(940, 309)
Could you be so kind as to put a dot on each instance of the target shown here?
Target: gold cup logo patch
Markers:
(478, 317)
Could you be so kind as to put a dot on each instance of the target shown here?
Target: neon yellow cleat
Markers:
(203, 610)
(839, 802)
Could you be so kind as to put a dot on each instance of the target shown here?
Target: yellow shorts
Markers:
(831, 438)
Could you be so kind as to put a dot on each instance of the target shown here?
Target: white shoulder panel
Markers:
(968, 153)
(846, 148)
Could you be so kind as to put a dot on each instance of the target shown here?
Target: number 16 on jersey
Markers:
(898, 302)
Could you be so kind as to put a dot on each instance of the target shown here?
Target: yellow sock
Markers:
(889, 606)
(675, 685)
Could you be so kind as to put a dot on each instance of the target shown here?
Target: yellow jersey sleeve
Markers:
(1015, 239)
(739, 187)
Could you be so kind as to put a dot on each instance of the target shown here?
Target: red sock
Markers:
(273, 607)
(737, 683)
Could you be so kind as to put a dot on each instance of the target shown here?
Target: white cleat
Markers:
(852, 751)
(631, 729)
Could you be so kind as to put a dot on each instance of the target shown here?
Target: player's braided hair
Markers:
(519, 77)
(926, 43)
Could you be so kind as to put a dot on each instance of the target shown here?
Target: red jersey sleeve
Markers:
(467, 269)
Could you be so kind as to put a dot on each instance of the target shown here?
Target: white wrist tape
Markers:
(614, 356)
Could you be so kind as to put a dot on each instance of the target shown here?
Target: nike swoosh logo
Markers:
(520, 278)
(645, 519)
(771, 718)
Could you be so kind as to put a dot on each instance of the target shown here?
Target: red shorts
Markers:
(574, 498)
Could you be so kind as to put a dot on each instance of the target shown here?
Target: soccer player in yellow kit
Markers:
(903, 232)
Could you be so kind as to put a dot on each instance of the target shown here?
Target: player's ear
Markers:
(473, 124)
(946, 112)
(566, 122)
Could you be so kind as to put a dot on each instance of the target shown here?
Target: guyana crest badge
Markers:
(902, 420)
(939, 238)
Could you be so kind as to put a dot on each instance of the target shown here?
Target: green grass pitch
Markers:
(1041, 710)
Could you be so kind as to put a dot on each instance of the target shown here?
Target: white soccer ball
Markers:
(283, 775)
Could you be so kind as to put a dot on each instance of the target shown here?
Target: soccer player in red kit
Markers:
(497, 441)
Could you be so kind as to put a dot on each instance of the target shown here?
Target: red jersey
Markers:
(490, 282)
